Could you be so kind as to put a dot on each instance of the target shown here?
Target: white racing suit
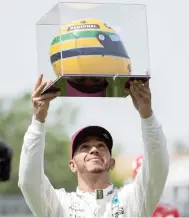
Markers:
(135, 200)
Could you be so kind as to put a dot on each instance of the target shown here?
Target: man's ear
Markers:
(112, 164)
(73, 166)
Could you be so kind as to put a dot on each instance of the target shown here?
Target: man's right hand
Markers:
(41, 102)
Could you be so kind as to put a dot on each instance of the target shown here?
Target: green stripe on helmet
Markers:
(78, 34)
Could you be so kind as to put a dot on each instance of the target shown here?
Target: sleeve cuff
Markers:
(37, 126)
(150, 123)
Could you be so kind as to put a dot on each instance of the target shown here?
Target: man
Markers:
(163, 209)
(91, 161)
(5, 161)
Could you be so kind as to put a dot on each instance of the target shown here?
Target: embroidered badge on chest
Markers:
(117, 209)
(76, 209)
(115, 200)
(99, 194)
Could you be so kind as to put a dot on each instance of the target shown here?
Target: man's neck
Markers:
(92, 182)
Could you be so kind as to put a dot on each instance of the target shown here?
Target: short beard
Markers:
(98, 170)
(95, 170)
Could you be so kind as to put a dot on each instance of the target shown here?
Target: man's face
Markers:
(92, 156)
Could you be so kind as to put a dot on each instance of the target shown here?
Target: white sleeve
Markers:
(148, 186)
(40, 196)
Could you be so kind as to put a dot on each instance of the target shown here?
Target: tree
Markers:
(15, 117)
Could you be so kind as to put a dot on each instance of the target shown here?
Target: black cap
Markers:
(97, 131)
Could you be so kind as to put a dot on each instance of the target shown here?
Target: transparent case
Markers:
(93, 49)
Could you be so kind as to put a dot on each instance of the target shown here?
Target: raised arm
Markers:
(144, 194)
(41, 197)
(39, 194)
(150, 180)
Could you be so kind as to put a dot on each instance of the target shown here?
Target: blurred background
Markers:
(169, 55)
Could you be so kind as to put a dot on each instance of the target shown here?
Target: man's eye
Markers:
(84, 146)
(101, 146)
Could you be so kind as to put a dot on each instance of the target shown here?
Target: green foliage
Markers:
(116, 180)
(15, 117)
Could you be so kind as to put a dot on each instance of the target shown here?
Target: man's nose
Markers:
(94, 150)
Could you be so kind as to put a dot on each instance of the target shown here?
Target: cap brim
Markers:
(97, 131)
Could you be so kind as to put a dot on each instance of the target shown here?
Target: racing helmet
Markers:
(88, 47)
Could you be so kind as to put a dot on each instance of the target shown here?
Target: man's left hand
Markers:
(141, 97)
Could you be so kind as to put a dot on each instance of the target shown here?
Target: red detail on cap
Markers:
(72, 140)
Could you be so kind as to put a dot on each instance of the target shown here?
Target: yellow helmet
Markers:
(89, 47)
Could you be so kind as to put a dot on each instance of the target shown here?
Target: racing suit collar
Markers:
(98, 194)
